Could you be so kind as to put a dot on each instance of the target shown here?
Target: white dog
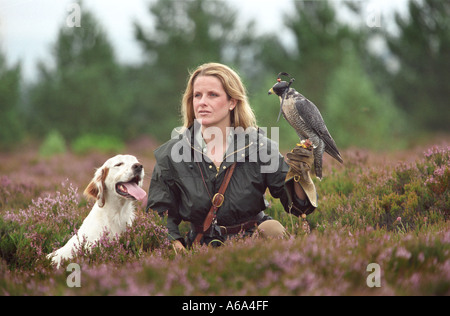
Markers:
(115, 186)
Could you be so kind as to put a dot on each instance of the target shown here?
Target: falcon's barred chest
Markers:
(296, 121)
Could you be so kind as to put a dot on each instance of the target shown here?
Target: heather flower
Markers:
(5, 181)
(403, 253)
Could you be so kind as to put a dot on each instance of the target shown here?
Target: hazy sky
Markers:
(28, 28)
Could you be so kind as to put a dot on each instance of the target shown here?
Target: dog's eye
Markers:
(119, 164)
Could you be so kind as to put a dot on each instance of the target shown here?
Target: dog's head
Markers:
(121, 176)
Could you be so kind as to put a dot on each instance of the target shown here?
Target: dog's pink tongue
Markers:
(135, 191)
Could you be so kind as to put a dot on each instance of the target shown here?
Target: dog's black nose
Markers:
(137, 167)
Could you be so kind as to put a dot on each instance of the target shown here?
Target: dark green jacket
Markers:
(177, 185)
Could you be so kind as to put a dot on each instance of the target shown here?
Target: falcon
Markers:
(305, 118)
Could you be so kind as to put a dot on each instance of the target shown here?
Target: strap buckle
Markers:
(217, 200)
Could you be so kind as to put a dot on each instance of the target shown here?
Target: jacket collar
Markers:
(200, 143)
(242, 144)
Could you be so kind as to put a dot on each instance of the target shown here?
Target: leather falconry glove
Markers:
(300, 161)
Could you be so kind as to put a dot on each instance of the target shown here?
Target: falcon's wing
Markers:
(311, 115)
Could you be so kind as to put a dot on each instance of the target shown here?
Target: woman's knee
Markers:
(271, 229)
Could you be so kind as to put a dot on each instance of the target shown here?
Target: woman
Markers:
(219, 131)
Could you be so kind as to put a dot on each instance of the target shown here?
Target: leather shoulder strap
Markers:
(217, 202)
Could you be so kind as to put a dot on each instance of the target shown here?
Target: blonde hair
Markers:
(242, 115)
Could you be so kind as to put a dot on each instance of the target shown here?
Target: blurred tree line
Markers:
(85, 92)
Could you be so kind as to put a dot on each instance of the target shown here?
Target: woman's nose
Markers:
(202, 100)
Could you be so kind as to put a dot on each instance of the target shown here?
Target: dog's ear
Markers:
(96, 188)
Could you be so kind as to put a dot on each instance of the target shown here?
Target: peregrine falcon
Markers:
(307, 121)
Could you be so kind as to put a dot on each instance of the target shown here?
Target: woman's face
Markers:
(212, 107)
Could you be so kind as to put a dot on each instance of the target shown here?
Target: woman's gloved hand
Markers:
(300, 161)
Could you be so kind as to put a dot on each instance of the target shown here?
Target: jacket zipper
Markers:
(217, 169)
(234, 152)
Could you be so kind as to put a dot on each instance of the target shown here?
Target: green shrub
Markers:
(93, 142)
(413, 195)
(53, 144)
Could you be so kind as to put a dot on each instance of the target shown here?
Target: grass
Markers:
(374, 209)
